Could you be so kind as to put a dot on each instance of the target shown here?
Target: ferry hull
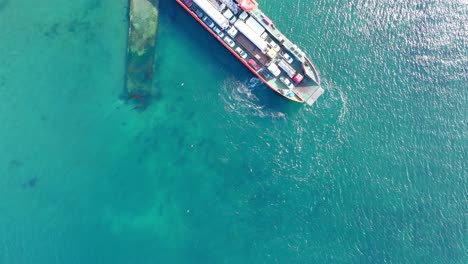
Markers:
(294, 97)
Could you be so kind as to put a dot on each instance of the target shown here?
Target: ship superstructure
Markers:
(254, 39)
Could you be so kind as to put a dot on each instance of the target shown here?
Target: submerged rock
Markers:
(140, 52)
(30, 182)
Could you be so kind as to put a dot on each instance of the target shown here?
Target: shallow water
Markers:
(219, 168)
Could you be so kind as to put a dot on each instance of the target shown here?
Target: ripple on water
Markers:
(242, 99)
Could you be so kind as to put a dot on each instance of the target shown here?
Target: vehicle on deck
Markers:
(208, 21)
(199, 13)
(218, 31)
(241, 52)
(229, 41)
(232, 31)
(188, 3)
(287, 58)
(253, 64)
(287, 82)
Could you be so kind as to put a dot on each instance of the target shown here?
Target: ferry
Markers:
(254, 40)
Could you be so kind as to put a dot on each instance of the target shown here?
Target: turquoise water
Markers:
(219, 169)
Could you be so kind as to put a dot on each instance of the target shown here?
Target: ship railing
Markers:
(307, 64)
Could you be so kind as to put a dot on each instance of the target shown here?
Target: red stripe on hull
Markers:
(231, 50)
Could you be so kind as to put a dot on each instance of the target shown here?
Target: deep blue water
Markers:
(219, 169)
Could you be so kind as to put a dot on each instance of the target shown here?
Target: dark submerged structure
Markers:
(143, 26)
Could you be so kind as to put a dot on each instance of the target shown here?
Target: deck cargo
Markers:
(257, 43)
(251, 35)
(213, 13)
(255, 26)
(290, 71)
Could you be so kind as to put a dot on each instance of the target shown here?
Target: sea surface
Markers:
(219, 169)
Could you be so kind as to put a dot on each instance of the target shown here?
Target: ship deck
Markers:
(306, 91)
(248, 46)
(273, 31)
(288, 45)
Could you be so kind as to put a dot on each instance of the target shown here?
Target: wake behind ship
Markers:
(253, 38)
